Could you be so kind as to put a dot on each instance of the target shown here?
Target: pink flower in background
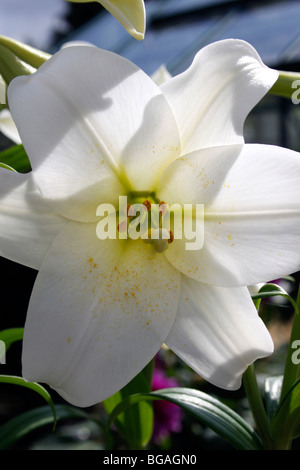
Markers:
(167, 416)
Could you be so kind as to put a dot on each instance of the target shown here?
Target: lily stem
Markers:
(292, 370)
(257, 407)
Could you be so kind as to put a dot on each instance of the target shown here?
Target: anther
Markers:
(122, 227)
(170, 240)
(128, 211)
(147, 204)
(163, 207)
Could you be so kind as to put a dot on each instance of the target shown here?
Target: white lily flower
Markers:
(95, 127)
(130, 13)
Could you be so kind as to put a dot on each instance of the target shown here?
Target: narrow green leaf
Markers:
(257, 406)
(135, 424)
(272, 290)
(289, 278)
(7, 167)
(286, 422)
(23, 424)
(12, 379)
(147, 374)
(208, 410)
(15, 158)
(11, 335)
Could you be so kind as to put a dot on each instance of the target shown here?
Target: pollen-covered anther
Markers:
(147, 204)
(163, 207)
(170, 240)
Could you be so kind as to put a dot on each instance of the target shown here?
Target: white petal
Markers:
(218, 332)
(255, 288)
(76, 43)
(27, 225)
(2, 91)
(161, 75)
(212, 98)
(93, 118)
(251, 196)
(99, 312)
(8, 127)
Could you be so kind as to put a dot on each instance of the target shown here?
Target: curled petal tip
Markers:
(137, 35)
(130, 13)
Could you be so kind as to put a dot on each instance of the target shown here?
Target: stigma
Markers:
(159, 238)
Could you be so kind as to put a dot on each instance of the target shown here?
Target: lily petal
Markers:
(8, 127)
(27, 225)
(2, 91)
(98, 116)
(212, 98)
(99, 312)
(130, 13)
(161, 75)
(218, 332)
(251, 196)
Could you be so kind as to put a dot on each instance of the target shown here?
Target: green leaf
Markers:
(11, 335)
(208, 410)
(286, 422)
(15, 158)
(135, 424)
(23, 424)
(272, 394)
(12, 379)
(272, 290)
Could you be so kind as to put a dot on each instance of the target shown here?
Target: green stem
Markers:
(292, 371)
(283, 444)
(11, 66)
(257, 407)
(286, 84)
(283, 441)
(27, 54)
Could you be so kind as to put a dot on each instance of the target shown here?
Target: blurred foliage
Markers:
(77, 15)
